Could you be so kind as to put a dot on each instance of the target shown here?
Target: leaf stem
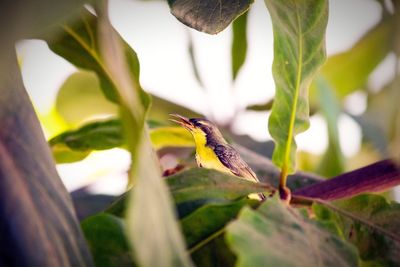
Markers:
(284, 192)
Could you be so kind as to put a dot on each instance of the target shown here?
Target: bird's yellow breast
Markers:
(205, 155)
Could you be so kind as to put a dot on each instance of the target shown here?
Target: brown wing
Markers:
(231, 159)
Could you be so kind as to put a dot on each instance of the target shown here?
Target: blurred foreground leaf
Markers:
(277, 235)
(332, 162)
(151, 224)
(370, 223)
(299, 51)
(38, 226)
(207, 15)
(105, 235)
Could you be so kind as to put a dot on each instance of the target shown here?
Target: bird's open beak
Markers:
(182, 121)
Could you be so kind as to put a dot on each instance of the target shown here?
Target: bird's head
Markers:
(202, 130)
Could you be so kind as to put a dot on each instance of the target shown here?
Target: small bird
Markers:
(212, 150)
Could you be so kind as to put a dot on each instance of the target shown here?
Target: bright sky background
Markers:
(161, 44)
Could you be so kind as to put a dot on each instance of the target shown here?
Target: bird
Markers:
(214, 152)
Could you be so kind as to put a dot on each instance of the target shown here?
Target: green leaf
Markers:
(208, 16)
(299, 51)
(196, 187)
(349, 71)
(105, 235)
(239, 44)
(151, 224)
(332, 162)
(78, 43)
(370, 223)
(85, 86)
(77, 144)
(201, 183)
(38, 224)
(277, 235)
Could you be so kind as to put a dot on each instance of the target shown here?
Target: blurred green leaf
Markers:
(38, 225)
(369, 222)
(151, 224)
(349, 71)
(332, 162)
(80, 98)
(85, 86)
(262, 107)
(105, 235)
(277, 235)
(383, 113)
(239, 44)
(207, 15)
(193, 60)
(75, 145)
(299, 51)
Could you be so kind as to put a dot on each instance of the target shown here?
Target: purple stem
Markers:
(376, 177)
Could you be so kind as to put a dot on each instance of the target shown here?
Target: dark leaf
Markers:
(207, 15)
(105, 235)
(215, 253)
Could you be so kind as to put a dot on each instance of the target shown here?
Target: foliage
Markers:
(197, 216)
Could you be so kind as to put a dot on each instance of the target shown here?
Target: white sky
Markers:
(161, 44)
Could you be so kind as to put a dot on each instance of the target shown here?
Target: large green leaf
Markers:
(332, 162)
(239, 44)
(38, 226)
(208, 16)
(105, 235)
(151, 224)
(299, 51)
(277, 235)
(369, 222)
(349, 71)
